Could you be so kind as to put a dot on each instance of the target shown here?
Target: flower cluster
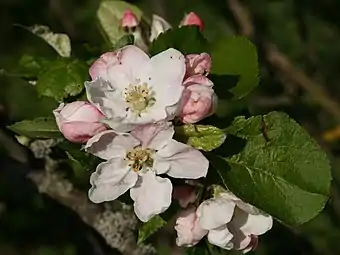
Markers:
(128, 123)
(228, 222)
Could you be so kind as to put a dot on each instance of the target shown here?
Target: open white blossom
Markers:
(131, 88)
(133, 162)
(232, 223)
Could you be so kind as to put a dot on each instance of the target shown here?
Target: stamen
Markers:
(140, 97)
(140, 159)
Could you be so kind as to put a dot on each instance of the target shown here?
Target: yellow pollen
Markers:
(140, 158)
(139, 97)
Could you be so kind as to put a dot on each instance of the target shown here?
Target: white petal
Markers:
(130, 61)
(184, 160)
(220, 237)
(154, 136)
(240, 204)
(214, 213)
(254, 240)
(240, 241)
(117, 125)
(164, 73)
(251, 224)
(108, 144)
(152, 196)
(106, 98)
(111, 179)
(158, 26)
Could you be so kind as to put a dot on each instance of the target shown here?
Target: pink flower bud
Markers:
(198, 64)
(79, 121)
(102, 65)
(129, 19)
(197, 102)
(189, 233)
(198, 79)
(192, 19)
(185, 195)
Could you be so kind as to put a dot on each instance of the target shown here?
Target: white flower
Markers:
(130, 88)
(232, 224)
(158, 26)
(133, 162)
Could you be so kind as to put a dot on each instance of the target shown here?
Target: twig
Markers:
(242, 18)
(283, 64)
(115, 225)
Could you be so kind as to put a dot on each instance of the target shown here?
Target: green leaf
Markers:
(62, 78)
(87, 161)
(37, 128)
(29, 66)
(22, 101)
(235, 56)
(202, 137)
(187, 39)
(110, 14)
(281, 169)
(125, 40)
(60, 42)
(149, 228)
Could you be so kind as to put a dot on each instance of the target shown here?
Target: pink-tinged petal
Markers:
(106, 98)
(251, 224)
(151, 196)
(80, 132)
(184, 161)
(198, 64)
(185, 195)
(131, 60)
(198, 102)
(198, 79)
(158, 26)
(214, 213)
(79, 121)
(108, 145)
(154, 136)
(101, 66)
(192, 19)
(164, 73)
(129, 19)
(189, 233)
(221, 237)
(111, 179)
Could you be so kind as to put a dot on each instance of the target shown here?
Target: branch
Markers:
(283, 64)
(115, 224)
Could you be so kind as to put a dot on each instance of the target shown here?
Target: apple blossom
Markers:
(134, 161)
(192, 19)
(130, 88)
(158, 26)
(232, 223)
(198, 102)
(129, 19)
(79, 121)
(197, 64)
(189, 233)
(185, 195)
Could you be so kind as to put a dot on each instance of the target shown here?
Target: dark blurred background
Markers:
(299, 50)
